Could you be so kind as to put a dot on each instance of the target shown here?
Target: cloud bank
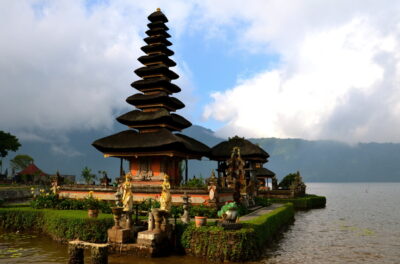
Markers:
(67, 65)
(338, 75)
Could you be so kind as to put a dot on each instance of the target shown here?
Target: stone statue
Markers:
(185, 217)
(212, 187)
(127, 195)
(165, 199)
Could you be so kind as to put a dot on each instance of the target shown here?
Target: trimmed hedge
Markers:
(310, 201)
(216, 244)
(59, 224)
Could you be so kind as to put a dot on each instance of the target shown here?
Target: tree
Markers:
(287, 181)
(87, 175)
(8, 143)
(20, 162)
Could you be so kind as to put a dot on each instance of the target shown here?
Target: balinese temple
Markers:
(262, 175)
(253, 156)
(151, 143)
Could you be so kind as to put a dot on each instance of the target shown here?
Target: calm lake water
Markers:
(361, 224)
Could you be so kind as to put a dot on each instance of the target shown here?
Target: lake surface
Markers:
(361, 224)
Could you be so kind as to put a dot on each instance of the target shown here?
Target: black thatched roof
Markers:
(157, 39)
(157, 16)
(157, 48)
(129, 141)
(156, 83)
(157, 58)
(264, 173)
(248, 150)
(156, 32)
(162, 116)
(141, 100)
(157, 24)
(156, 70)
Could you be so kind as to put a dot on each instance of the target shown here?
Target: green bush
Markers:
(247, 243)
(70, 204)
(310, 201)
(61, 225)
(50, 201)
(147, 204)
(267, 225)
(202, 210)
(1, 202)
(195, 210)
(262, 201)
(195, 182)
(287, 181)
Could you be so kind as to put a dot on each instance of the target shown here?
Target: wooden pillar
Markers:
(99, 254)
(75, 252)
(121, 169)
(186, 170)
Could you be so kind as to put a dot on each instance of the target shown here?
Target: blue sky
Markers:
(256, 68)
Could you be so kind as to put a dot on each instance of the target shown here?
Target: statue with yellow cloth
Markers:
(165, 199)
(127, 195)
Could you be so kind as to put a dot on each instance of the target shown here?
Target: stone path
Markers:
(259, 212)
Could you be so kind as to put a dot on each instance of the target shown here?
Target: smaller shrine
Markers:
(238, 160)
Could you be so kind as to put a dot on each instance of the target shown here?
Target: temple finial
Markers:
(158, 9)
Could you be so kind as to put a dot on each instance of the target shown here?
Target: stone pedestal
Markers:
(99, 254)
(75, 252)
(150, 238)
(118, 235)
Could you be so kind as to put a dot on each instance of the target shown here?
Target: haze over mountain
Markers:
(318, 161)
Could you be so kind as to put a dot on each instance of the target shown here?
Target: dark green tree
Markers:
(8, 143)
(87, 175)
(287, 181)
(20, 162)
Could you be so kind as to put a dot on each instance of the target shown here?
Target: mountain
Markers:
(318, 161)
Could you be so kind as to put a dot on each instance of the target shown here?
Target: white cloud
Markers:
(65, 151)
(66, 66)
(338, 77)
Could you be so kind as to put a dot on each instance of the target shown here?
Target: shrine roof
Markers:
(130, 141)
(156, 83)
(157, 39)
(142, 100)
(154, 58)
(157, 16)
(157, 31)
(161, 116)
(31, 169)
(157, 48)
(264, 173)
(156, 70)
(157, 24)
(248, 150)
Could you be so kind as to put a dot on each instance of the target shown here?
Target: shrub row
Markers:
(61, 225)
(247, 243)
(310, 201)
(51, 201)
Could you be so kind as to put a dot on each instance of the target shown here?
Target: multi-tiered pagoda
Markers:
(150, 144)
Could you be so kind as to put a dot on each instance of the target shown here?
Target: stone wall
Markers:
(197, 195)
(12, 194)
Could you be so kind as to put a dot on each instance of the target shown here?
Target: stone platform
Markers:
(136, 249)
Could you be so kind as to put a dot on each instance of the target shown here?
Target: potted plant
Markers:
(200, 217)
(92, 205)
(229, 212)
